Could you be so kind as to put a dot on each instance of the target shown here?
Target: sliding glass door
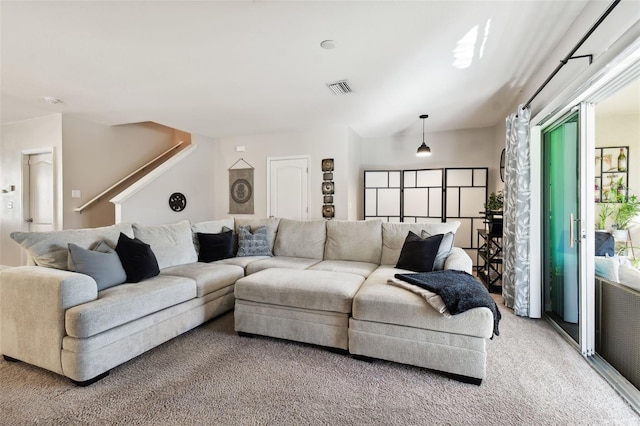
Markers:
(568, 296)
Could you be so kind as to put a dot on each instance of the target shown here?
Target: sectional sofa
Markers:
(319, 282)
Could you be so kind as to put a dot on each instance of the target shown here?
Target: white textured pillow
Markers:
(629, 276)
(172, 244)
(607, 267)
(51, 249)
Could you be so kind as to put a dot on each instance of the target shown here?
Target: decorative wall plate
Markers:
(328, 211)
(328, 199)
(327, 188)
(502, 165)
(241, 191)
(327, 165)
(177, 202)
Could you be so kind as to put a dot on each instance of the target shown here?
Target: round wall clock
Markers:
(177, 202)
(502, 165)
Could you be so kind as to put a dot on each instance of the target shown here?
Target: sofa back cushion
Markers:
(301, 238)
(394, 234)
(172, 244)
(50, 249)
(270, 223)
(357, 240)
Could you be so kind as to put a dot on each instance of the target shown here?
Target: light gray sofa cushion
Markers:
(280, 262)
(172, 244)
(102, 264)
(394, 234)
(127, 302)
(209, 277)
(360, 240)
(301, 238)
(347, 266)
(378, 301)
(318, 290)
(270, 223)
(51, 249)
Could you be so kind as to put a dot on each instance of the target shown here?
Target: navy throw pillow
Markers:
(419, 254)
(605, 244)
(215, 246)
(137, 259)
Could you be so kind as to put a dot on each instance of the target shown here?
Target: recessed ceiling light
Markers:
(328, 44)
(52, 100)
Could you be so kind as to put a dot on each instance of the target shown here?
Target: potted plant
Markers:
(493, 212)
(605, 212)
(623, 213)
(495, 202)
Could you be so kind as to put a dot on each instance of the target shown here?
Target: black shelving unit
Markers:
(489, 260)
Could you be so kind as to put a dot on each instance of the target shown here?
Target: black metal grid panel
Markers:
(373, 190)
(449, 191)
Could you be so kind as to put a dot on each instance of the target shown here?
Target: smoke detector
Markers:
(340, 87)
(51, 100)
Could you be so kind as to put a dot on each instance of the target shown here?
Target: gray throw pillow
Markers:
(443, 251)
(102, 264)
(253, 244)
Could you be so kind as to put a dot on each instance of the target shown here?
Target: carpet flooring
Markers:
(212, 376)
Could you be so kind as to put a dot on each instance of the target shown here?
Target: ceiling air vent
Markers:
(340, 87)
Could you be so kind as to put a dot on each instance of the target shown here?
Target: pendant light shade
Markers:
(423, 150)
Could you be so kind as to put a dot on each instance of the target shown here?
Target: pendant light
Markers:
(423, 150)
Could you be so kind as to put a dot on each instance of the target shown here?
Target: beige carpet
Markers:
(211, 376)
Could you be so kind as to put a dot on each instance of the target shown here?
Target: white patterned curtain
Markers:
(516, 218)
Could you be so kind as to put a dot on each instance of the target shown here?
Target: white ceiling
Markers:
(243, 67)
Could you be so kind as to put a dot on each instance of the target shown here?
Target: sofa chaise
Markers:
(319, 282)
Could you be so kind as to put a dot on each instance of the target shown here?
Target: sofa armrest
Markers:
(33, 301)
(459, 260)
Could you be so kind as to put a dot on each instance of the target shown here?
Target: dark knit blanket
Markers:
(459, 291)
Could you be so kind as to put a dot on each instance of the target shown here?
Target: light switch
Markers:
(76, 193)
(240, 148)
(10, 205)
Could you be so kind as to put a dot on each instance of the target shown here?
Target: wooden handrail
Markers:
(106, 191)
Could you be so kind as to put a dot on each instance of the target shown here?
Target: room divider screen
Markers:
(430, 195)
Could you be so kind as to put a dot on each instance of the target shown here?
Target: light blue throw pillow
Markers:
(102, 264)
(446, 245)
(253, 244)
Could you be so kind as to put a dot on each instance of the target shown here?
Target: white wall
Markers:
(622, 130)
(194, 177)
(455, 148)
(355, 208)
(43, 133)
(319, 143)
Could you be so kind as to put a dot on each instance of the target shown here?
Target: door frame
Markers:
(24, 183)
(24, 164)
(288, 157)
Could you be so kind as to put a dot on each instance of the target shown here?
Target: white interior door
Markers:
(288, 187)
(40, 198)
